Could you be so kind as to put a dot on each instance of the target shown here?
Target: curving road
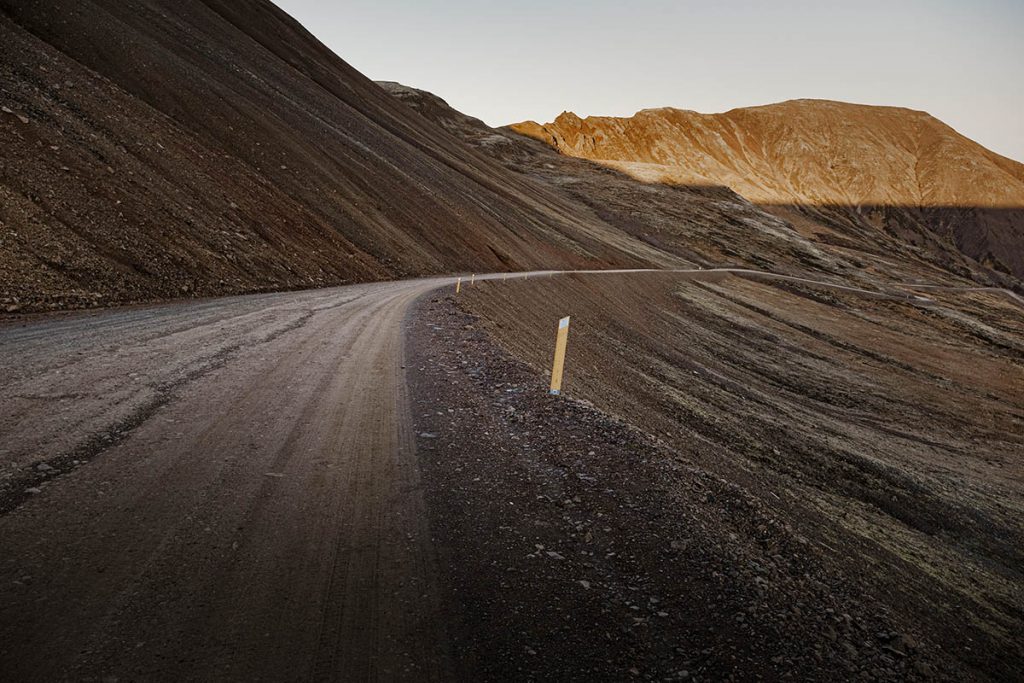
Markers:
(256, 512)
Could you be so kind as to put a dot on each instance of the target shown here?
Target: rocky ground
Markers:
(580, 548)
(684, 526)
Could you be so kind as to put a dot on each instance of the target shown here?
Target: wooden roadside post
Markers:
(561, 339)
(458, 285)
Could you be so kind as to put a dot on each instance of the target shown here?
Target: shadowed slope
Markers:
(154, 149)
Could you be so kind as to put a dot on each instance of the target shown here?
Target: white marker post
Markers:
(561, 339)
(458, 285)
(472, 278)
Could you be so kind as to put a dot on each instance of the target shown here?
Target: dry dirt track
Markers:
(258, 514)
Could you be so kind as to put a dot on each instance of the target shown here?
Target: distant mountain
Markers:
(851, 166)
(709, 224)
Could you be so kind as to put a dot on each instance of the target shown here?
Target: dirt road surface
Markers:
(256, 512)
(244, 500)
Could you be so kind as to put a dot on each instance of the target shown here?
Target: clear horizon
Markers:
(507, 63)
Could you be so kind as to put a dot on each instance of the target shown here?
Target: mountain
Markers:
(155, 149)
(708, 223)
(851, 167)
(707, 226)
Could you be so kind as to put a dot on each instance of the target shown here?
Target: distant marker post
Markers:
(458, 285)
(561, 340)
(472, 278)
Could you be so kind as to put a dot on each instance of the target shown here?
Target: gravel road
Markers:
(256, 512)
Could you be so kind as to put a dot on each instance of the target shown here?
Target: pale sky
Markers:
(962, 61)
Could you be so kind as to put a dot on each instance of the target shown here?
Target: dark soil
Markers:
(887, 433)
(575, 547)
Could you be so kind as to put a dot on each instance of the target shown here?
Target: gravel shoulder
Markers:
(574, 546)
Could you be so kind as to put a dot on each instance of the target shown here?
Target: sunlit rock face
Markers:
(895, 169)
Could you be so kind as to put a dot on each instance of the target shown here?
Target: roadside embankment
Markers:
(743, 479)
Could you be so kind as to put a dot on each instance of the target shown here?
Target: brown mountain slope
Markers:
(154, 148)
(851, 165)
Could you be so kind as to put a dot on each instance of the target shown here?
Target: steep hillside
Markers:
(852, 166)
(156, 149)
(710, 224)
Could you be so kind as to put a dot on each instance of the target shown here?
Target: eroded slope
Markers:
(157, 149)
